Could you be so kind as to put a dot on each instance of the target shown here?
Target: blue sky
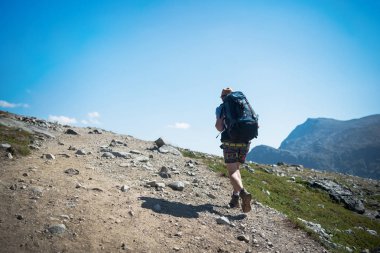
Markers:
(156, 68)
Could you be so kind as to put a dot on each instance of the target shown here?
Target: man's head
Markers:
(225, 92)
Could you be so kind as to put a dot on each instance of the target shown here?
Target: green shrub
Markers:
(17, 138)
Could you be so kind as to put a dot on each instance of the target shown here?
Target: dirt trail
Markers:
(36, 194)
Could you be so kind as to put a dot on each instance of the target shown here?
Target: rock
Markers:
(108, 155)
(97, 189)
(142, 159)
(159, 142)
(317, 228)
(169, 149)
(114, 143)
(10, 156)
(223, 221)
(34, 147)
(105, 149)
(164, 172)
(57, 229)
(178, 185)
(48, 156)
(121, 154)
(136, 152)
(95, 131)
(124, 188)
(71, 131)
(72, 171)
(243, 238)
(160, 186)
(36, 192)
(372, 232)
(340, 194)
(72, 148)
(81, 152)
(5, 145)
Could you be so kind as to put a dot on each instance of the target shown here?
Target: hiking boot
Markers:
(246, 200)
(234, 203)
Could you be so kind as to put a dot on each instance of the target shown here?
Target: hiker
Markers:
(235, 140)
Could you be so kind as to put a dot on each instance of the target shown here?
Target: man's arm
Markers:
(219, 124)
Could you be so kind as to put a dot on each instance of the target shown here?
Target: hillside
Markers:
(351, 147)
(91, 190)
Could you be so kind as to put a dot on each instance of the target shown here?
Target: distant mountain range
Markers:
(351, 146)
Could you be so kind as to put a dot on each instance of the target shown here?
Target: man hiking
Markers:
(238, 124)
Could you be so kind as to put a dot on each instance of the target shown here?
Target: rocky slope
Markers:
(351, 146)
(90, 190)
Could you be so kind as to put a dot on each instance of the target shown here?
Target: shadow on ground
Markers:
(178, 209)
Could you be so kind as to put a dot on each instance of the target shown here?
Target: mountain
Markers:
(351, 146)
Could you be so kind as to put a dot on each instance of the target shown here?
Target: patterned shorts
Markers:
(235, 152)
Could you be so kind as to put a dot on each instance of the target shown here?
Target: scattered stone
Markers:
(81, 152)
(105, 149)
(243, 238)
(142, 159)
(223, 221)
(136, 152)
(97, 189)
(71, 131)
(57, 229)
(169, 149)
(10, 156)
(124, 188)
(95, 131)
(124, 165)
(64, 155)
(72, 148)
(317, 228)
(121, 154)
(160, 142)
(211, 196)
(124, 246)
(34, 147)
(178, 185)
(19, 217)
(48, 156)
(108, 155)
(13, 187)
(372, 232)
(72, 171)
(164, 172)
(36, 192)
(160, 186)
(5, 145)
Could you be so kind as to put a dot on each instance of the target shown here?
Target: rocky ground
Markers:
(103, 192)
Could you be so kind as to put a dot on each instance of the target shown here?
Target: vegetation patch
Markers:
(17, 138)
(296, 199)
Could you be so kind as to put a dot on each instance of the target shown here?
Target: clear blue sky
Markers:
(156, 68)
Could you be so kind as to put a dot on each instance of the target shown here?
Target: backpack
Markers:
(240, 119)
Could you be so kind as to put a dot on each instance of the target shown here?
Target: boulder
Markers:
(340, 194)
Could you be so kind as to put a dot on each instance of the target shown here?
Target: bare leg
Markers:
(235, 176)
